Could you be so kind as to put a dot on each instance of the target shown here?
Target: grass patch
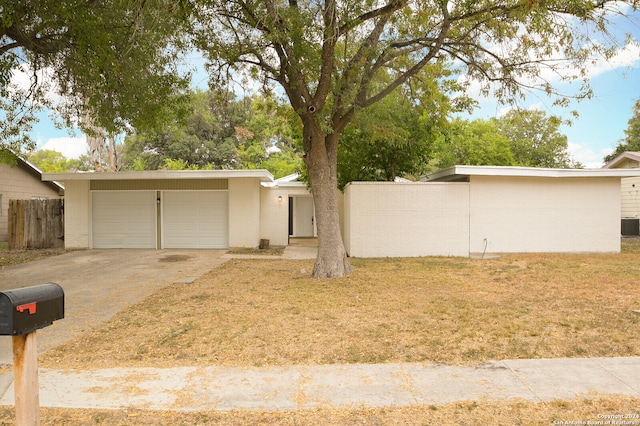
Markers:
(583, 410)
(271, 251)
(17, 257)
(451, 310)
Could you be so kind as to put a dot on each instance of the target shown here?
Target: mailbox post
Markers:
(22, 312)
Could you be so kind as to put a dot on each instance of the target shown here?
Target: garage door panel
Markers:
(195, 219)
(124, 219)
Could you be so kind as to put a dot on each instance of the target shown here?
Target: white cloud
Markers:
(21, 79)
(586, 155)
(506, 109)
(557, 71)
(626, 57)
(69, 147)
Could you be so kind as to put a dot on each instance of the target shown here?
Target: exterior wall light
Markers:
(279, 198)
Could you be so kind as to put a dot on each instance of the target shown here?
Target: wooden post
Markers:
(25, 378)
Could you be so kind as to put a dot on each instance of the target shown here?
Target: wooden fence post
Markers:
(16, 224)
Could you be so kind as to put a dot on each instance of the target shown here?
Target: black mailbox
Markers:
(27, 309)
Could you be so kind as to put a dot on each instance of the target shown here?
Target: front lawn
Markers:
(448, 310)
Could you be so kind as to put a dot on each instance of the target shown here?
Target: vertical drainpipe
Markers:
(158, 221)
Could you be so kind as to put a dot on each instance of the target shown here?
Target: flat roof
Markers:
(459, 173)
(261, 175)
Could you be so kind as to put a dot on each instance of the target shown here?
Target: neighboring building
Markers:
(630, 191)
(22, 182)
(464, 211)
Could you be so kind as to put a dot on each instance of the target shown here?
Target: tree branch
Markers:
(328, 52)
(362, 100)
(288, 59)
(388, 9)
(31, 41)
(7, 47)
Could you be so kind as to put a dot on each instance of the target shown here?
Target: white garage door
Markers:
(124, 219)
(195, 219)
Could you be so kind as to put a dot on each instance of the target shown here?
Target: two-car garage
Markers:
(163, 209)
(160, 219)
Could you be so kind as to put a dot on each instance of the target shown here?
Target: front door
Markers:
(304, 217)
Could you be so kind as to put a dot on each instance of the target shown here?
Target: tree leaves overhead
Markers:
(113, 61)
(338, 48)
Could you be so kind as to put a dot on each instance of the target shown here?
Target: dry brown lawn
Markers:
(449, 310)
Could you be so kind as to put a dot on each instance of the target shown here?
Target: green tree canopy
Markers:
(535, 138)
(204, 138)
(222, 132)
(113, 62)
(275, 139)
(397, 136)
(631, 141)
(54, 162)
(474, 143)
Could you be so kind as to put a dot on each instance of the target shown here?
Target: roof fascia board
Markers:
(261, 175)
(457, 172)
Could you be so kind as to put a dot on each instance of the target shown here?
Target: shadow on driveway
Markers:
(99, 283)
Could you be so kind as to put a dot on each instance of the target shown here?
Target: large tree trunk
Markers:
(321, 160)
(112, 154)
(95, 148)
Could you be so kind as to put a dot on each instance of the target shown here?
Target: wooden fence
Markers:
(36, 224)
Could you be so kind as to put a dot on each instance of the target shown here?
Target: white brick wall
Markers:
(244, 213)
(487, 215)
(512, 215)
(406, 219)
(274, 215)
(77, 214)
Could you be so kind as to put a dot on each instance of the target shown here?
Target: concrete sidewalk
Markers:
(330, 386)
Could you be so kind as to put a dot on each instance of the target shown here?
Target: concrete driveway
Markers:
(99, 283)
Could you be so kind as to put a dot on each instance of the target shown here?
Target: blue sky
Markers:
(602, 119)
(594, 134)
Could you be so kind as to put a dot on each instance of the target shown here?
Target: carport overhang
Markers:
(464, 173)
